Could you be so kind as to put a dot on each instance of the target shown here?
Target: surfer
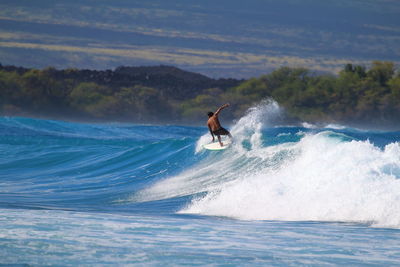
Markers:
(215, 127)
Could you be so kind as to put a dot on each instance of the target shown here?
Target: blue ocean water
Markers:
(122, 194)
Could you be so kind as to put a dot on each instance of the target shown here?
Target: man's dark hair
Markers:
(210, 114)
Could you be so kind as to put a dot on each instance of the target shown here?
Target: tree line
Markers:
(357, 95)
(136, 94)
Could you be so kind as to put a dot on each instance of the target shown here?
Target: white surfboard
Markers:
(217, 146)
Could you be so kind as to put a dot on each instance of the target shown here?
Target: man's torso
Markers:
(213, 123)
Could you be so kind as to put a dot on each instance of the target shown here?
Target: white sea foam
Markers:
(335, 126)
(204, 139)
(326, 176)
(250, 125)
(328, 180)
(208, 175)
(309, 125)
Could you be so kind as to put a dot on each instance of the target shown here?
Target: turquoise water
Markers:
(120, 194)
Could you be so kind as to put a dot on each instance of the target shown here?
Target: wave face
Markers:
(53, 164)
(88, 194)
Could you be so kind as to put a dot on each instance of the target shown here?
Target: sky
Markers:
(219, 38)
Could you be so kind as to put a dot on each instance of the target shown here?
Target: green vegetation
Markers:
(355, 96)
(165, 94)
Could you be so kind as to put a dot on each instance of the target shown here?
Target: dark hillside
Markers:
(141, 94)
(171, 81)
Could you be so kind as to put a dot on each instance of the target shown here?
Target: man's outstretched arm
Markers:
(221, 108)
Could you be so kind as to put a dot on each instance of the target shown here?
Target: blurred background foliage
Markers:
(356, 95)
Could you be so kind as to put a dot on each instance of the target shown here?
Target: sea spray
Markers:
(216, 169)
(248, 127)
(329, 180)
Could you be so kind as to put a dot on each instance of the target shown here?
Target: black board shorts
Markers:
(221, 131)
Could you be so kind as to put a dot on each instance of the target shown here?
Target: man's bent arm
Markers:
(212, 134)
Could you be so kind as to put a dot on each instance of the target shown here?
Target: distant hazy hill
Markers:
(178, 83)
(224, 38)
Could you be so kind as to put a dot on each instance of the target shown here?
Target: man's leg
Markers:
(219, 140)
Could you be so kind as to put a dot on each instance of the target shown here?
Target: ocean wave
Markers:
(66, 164)
(323, 177)
(268, 173)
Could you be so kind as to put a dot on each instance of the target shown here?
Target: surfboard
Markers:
(217, 146)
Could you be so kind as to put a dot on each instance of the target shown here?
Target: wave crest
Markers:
(328, 180)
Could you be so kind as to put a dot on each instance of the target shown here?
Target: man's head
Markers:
(210, 114)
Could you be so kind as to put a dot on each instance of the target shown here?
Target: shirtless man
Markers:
(215, 127)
